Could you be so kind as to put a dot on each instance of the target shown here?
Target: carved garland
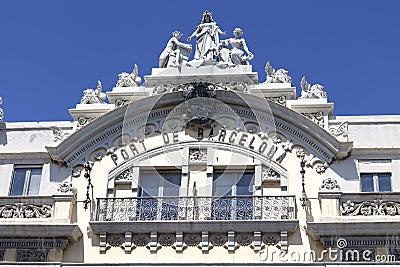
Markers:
(370, 208)
(21, 210)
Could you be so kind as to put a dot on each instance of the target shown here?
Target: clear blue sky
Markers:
(50, 51)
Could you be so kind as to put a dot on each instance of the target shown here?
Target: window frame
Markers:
(27, 179)
(234, 192)
(161, 182)
(375, 181)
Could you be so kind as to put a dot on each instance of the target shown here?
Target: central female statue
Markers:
(207, 38)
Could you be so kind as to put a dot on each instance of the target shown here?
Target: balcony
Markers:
(37, 228)
(144, 214)
(357, 214)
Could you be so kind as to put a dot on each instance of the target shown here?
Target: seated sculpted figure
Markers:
(175, 52)
(236, 55)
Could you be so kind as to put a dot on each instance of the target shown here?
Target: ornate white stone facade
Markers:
(201, 164)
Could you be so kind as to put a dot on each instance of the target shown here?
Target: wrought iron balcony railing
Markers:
(196, 208)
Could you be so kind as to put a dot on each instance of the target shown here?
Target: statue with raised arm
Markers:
(236, 54)
(207, 38)
(175, 52)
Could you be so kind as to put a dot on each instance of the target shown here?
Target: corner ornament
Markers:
(129, 79)
(315, 91)
(93, 96)
(276, 76)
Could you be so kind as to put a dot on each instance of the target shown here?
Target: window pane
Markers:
(384, 182)
(244, 185)
(18, 182)
(367, 183)
(149, 184)
(223, 183)
(172, 183)
(34, 182)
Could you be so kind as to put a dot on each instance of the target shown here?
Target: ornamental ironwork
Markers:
(369, 208)
(195, 208)
(21, 210)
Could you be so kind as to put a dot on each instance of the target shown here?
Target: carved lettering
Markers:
(280, 158)
(200, 133)
(175, 137)
(243, 139)
(133, 149)
(165, 138)
(263, 147)
(222, 134)
(251, 142)
(232, 137)
(124, 154)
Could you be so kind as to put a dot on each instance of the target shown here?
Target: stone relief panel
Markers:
(340, 130)
(281, 100)
(58, 133)
(316, 117)
(20, 210)
(197, 155)
(329, 184)
(370, 208)
(31, 255)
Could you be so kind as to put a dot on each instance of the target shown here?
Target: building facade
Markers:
(201, 164)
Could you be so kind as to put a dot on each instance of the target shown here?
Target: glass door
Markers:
(232, 193)
(159, 194)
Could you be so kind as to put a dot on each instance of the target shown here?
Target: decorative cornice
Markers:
(291, 123)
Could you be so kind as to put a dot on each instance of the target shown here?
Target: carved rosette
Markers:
(192, 240)
(270, 239)
(244, 239)
(370, 208)
(329, 184)
(197, 155)
(20, 210)
(82, 121)
(116, 240)
(218, 239)
(166, 240)
(141, 240)
(31, 255)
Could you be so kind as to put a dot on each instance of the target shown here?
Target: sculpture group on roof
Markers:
(209, 48)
